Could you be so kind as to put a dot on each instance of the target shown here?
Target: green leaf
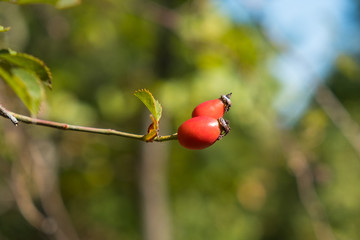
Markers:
(26, 75)
(57, 3)
(150, 102)
(26, 85)
(27, 62)
(4, 29)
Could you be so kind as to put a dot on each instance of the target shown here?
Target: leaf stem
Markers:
(64, 126)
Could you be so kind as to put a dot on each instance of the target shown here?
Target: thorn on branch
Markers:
(5, 113)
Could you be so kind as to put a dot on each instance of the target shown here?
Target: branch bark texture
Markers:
(65, 126)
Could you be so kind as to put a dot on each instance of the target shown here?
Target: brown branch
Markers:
(64, 126)
(5, 113)
(23, 199)
(45, 176)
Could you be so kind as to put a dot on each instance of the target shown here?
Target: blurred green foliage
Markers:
(26, 75)
(185, 53)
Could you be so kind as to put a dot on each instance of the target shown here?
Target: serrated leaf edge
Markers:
(47, 81)
(155, 101)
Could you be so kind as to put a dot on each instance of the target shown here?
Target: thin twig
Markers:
(64, 126)
(298, 164)
(43, 161)
(326, 99)
(5, 113)
(339, 116)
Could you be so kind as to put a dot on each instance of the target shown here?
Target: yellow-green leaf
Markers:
(150, 102)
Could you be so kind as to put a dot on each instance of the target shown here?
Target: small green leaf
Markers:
(29, 63)
(26, 85)
(150, 102)
(4, 29)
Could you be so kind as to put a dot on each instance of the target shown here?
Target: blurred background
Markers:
(289, 169)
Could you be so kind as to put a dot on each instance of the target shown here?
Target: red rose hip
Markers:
(213, 108)
(201, 132)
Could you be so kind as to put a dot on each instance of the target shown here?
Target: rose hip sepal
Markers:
(201, 132)
(213, 108)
